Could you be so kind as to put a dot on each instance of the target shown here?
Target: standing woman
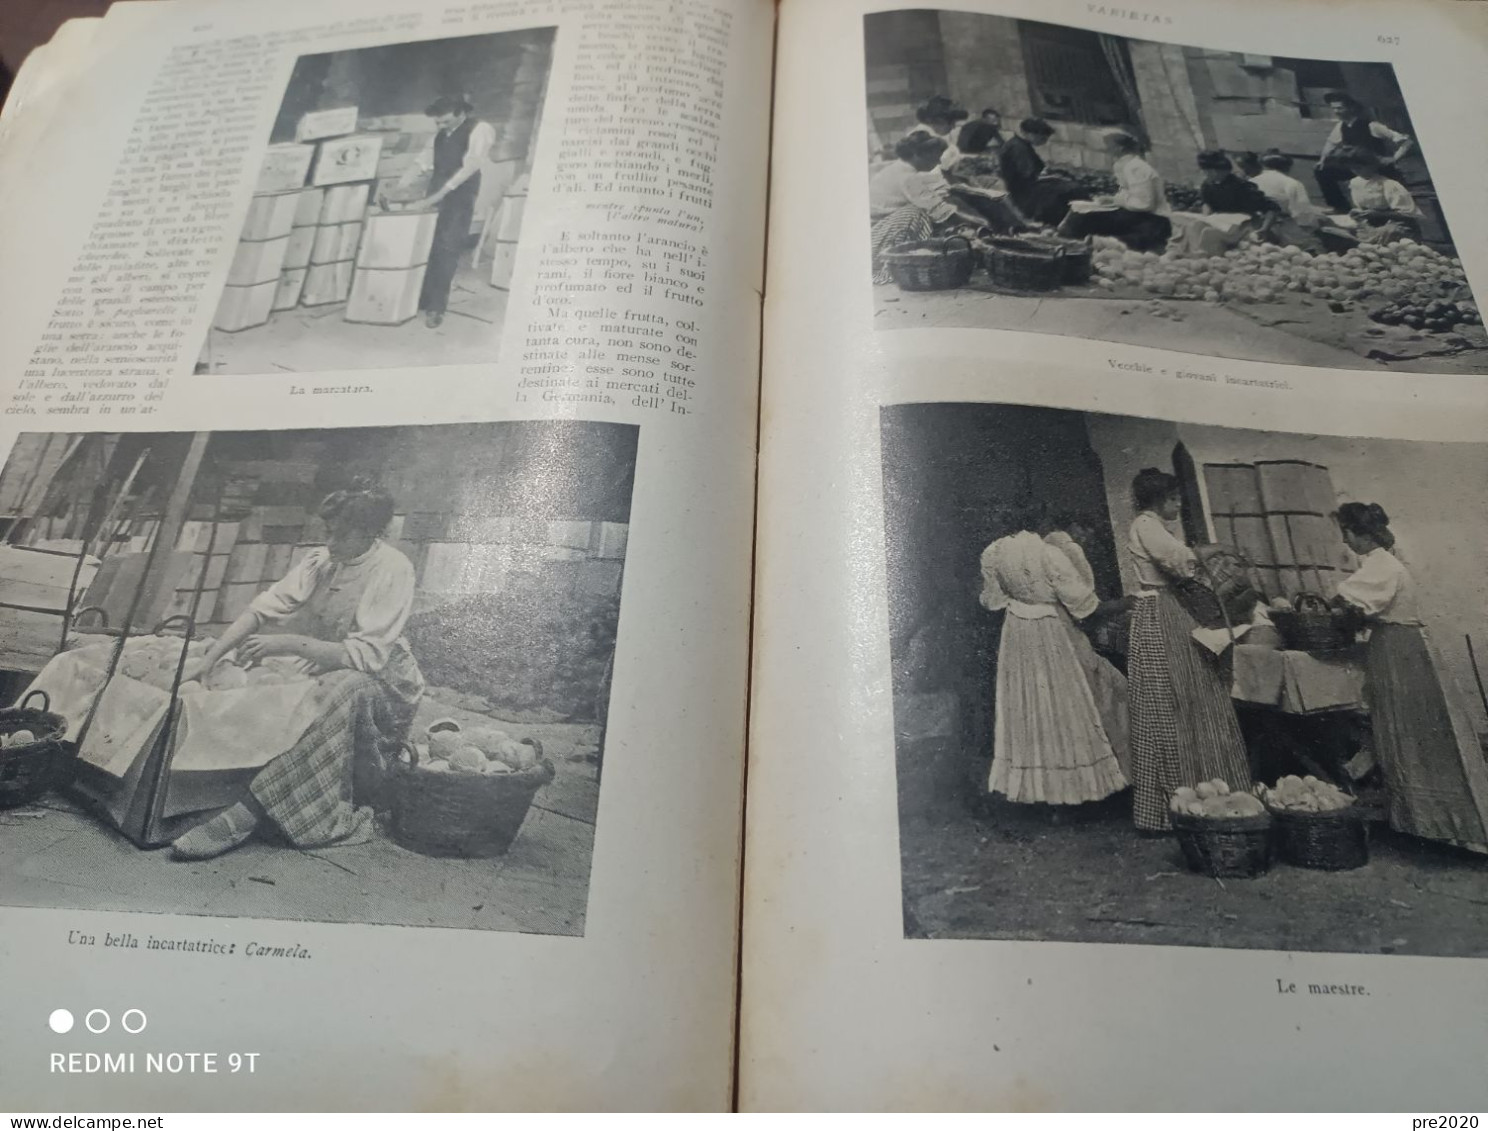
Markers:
(1436, 781)
(1183, 725)
(1050, 744)
(343, 609)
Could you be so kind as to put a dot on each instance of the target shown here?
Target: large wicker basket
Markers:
(1225, 847)
(931, 265)
(1310, 626)
(1026, 264)
(1335, 840)
(452, 814)
(31, 768)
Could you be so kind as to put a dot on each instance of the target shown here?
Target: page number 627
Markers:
(1392, 40)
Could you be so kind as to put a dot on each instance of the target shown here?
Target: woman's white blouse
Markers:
(1028, 577)
(364, 602)
(1158, 554)
(1140, 187)
(1382, 588)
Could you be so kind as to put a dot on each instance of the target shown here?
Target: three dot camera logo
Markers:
(133, 1022)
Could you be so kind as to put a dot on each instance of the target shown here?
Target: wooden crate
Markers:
(257, 261)
(307, 211)
(291, 286)
(284, 167)
(270, 215)
(346, 159)
(397, 240)
(297, 253)
(320, 124)
(327, 283)
(385, 298)
(241, 308)
(344, 203)
(335, 242)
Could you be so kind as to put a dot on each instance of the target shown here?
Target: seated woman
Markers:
(939, 117)
(1042, 198)
(911, 200)
(345, 605)
(1436, 782)
(1224, 193)
(1383, 207)
(1051, 743)
(1138, 214)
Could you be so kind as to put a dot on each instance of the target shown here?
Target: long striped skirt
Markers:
(1436, 782)
(319, 791)
(1051, 744)
(903, 225)
(1183, 725)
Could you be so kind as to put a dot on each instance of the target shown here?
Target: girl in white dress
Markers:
(1050, 743)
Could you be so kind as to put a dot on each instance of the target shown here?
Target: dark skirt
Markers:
(1140, 231)
(1183, 725)
(1436, 780)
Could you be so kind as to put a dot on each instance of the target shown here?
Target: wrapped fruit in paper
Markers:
(1214, 798)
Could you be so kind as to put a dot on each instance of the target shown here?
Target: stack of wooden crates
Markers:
(310, 238)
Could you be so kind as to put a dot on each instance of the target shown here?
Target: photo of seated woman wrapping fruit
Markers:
(349, 602)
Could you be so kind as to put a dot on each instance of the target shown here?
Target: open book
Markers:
(494, 616)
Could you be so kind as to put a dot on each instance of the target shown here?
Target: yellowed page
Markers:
(553, 460)
(921, 932)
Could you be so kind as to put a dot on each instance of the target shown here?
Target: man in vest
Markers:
(453, 164)
(1355, 130)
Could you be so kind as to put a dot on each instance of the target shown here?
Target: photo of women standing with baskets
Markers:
(1305, 770)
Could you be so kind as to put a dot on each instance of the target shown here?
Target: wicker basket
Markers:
(1334, 841)
(1310, 626)
(1227, 847)
(947, 265)
(1026, 264)
(1075, 260)
(454, 814)
(29, 770)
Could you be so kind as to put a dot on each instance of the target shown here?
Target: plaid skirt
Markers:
(321, 791)
(1183, 725)
(903, 225)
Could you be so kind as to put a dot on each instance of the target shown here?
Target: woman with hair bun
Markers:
(1436, 781)
(339, 614)
(1183, 725)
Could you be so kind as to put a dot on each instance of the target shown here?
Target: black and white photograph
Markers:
(1039, 177)
(385, 220)
(1183, 684)
(339, 674)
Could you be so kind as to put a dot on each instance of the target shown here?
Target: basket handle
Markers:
(180, 619)
(947, 245)
(46, 700)
(86, 609)
(1303, 602)
(408, 748)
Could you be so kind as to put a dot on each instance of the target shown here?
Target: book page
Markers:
(1118, 704)
(376, 493)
